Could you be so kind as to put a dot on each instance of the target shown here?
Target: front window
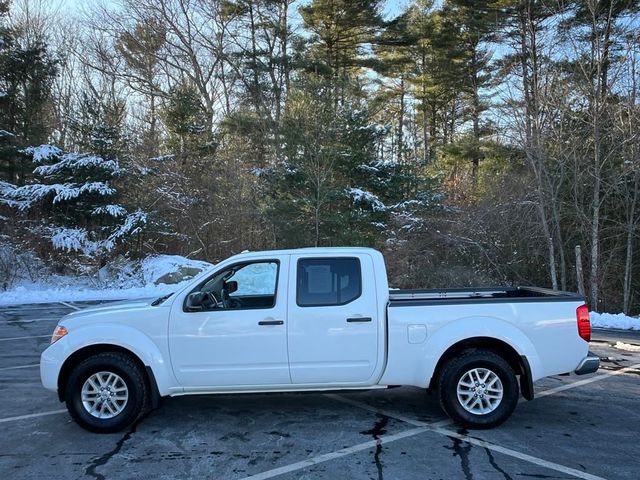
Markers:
(240, 287)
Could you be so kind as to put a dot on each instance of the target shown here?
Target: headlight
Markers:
(58, 333)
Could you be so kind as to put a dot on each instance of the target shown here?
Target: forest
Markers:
(474, 142)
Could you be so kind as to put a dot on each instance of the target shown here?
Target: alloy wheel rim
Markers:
(104, 395)
(480, 391)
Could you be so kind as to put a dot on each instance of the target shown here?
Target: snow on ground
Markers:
(627, 347)
(126, 280)
(611, 320)
(155, 267)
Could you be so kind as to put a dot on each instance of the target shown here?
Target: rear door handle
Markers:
(358, 319)
(270, 322)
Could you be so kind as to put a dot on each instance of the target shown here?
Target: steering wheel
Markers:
(234, 303)
(216, 303)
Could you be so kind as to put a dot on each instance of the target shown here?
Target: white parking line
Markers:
(437, 428)
(402, 418)
(586, 381)
(506, 451)
(19, 367)
(22, 308)
(520, 456)
(383, 440)
(29, 320)
(31, 415)
(24, 338)
(337, 454)
(66, 304)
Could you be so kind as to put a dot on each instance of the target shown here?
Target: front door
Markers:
(333, 324)
(237, 334)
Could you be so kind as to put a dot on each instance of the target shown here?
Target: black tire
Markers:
(456, 368)
(131, 374)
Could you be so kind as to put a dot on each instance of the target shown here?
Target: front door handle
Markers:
(358, 319)
(270, 322)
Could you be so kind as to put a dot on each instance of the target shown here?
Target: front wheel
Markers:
(106, 392)
(478, 389)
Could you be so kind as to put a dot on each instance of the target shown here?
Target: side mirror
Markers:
(194, 302)
(231, 286)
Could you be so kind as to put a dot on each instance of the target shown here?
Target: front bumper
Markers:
(589, 364)
(51, 362)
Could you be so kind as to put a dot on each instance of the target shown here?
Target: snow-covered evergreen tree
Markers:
(74, 200)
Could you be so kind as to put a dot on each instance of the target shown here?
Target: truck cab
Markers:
(282, 319)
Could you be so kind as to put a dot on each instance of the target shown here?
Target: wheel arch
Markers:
(90, 350)
(517, 362)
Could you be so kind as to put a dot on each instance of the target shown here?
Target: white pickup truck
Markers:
(315, 319)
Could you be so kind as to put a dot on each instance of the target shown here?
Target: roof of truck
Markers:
(318, 250)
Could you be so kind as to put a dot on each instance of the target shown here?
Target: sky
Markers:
(391, 7)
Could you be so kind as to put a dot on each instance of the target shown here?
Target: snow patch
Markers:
(610, 320)
(163, 158)
(126, 279)
(113, 210)
(627, 347)
(70, 239)
(158, 266)
(258, 172)
(132, 225)
(42, 153)
(27, 195)
(74, 162)
(366, 198)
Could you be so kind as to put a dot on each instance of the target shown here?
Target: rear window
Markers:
(328, 281)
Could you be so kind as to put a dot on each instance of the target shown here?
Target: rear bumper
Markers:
(589, 364)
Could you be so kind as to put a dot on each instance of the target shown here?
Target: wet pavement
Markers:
(578, 427)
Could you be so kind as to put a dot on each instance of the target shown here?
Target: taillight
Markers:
(584, 324)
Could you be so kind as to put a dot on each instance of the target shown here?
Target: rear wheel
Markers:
(478, 389)
(106, 392)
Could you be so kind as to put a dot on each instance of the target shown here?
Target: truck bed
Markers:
(479, 295)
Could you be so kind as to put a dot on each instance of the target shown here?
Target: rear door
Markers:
(333, 324)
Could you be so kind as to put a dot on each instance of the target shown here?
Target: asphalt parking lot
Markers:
(578, 427)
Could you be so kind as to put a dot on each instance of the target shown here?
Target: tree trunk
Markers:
(426, 153)
(595, 240)
(532, 141)
(628, 269)
(560, 242)
(628, 262)
(475, 115)
(579, 273)
(401, 121)
(600, 55)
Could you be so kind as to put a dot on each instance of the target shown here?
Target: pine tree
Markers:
(394, 64)
(185, 120)
(140, 49)
(476, 22)
(341, 31)
(74, 201)
(321, 193)
(26, 74)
